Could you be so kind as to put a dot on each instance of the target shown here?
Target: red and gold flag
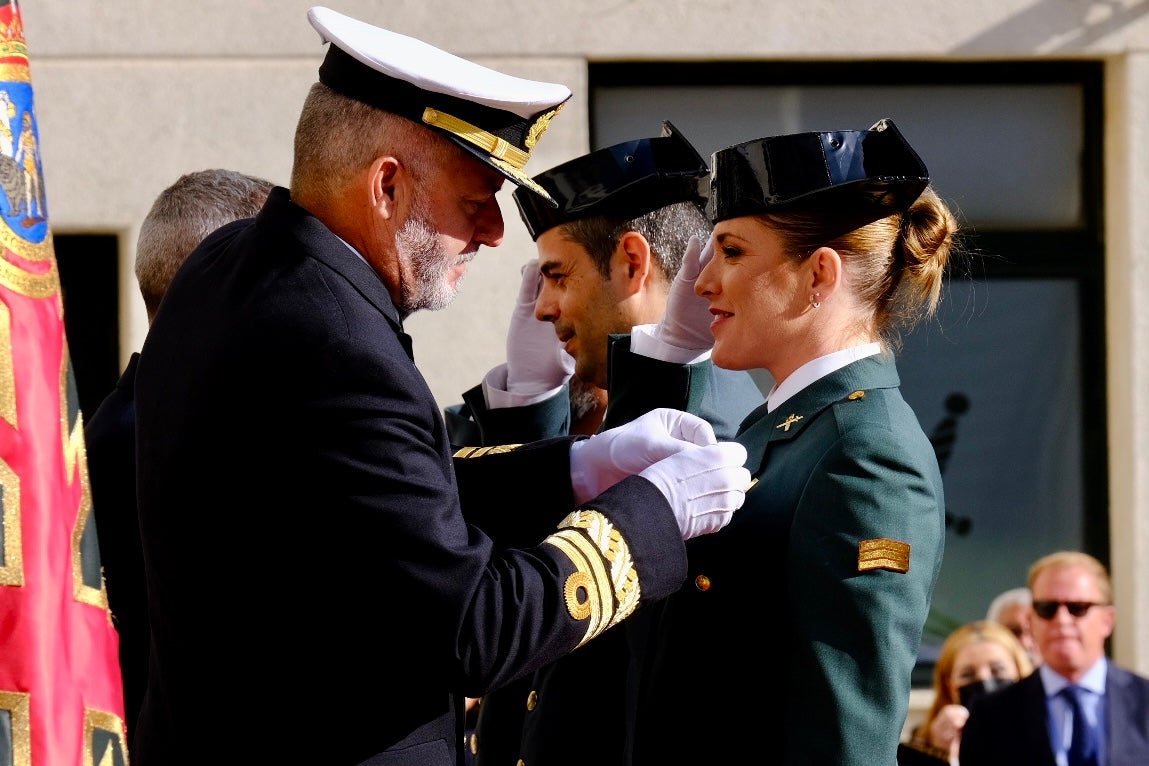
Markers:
(61, 695)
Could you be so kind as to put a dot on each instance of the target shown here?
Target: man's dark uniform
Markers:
(310, 572)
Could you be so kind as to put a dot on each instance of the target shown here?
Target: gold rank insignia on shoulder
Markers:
(884, 553)
(467, 452)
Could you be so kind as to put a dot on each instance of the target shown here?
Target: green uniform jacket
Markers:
(799, 625)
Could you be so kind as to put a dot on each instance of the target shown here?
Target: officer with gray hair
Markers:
(315, 592)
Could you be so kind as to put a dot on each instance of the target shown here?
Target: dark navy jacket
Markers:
(315, 593)
(1009, 727)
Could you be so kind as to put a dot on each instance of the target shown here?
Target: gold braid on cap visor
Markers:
(503, 153)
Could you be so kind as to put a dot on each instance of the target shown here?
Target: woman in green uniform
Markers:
(797, 629)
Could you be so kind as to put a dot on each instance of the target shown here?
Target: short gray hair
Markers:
(337, 136)
(182, 215)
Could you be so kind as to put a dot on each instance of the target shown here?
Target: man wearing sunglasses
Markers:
(1078, 708)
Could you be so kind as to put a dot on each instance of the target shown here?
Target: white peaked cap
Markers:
(496, 117)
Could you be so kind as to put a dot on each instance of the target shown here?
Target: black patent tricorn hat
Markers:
(872, 172)
(624, 181)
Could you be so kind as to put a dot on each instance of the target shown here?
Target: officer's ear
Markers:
(386, 175)
(632, 261)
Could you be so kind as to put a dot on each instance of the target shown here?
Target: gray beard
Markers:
(425, 266)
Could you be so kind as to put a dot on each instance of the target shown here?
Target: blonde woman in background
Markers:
(977, 658)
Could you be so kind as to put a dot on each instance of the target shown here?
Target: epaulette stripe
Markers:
(884, 553)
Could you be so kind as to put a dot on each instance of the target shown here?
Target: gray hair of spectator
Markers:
(182, 215)
(667, 229)
(1007, 599)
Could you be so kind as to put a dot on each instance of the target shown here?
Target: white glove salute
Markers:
(536, 361)
(686, 323)
(704, 485)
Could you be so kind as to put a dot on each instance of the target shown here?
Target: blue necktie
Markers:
(1083, 745)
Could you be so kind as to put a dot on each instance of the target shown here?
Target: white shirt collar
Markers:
(816, 369)
(349, 247)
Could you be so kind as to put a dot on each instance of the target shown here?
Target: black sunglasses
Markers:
(1047, 610)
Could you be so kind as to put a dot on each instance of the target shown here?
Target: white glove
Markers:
(608, 457)
(686, 323)
(536, 360)
(704, 486)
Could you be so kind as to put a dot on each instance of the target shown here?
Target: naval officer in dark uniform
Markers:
(315, 593)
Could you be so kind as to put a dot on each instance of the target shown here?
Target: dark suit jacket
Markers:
(110, 441)
(315, 593)
(1009, 727)
(573, 711)
(781, 642)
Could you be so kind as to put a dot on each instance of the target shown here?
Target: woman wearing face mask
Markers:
(977, 658)
(825, 246)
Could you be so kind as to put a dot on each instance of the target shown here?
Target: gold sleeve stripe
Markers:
(597, 598)
(578, 608)
(590, 541)
(469, 452)
(610, 544)
(884, 553)
(589, 561)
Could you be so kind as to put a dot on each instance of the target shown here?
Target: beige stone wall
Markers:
(132, 93)
(1127, 331)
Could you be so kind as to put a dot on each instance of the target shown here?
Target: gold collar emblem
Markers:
(789, 421)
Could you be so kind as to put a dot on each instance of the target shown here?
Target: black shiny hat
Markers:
(871, 172)
(623, 181)
(494, 116)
